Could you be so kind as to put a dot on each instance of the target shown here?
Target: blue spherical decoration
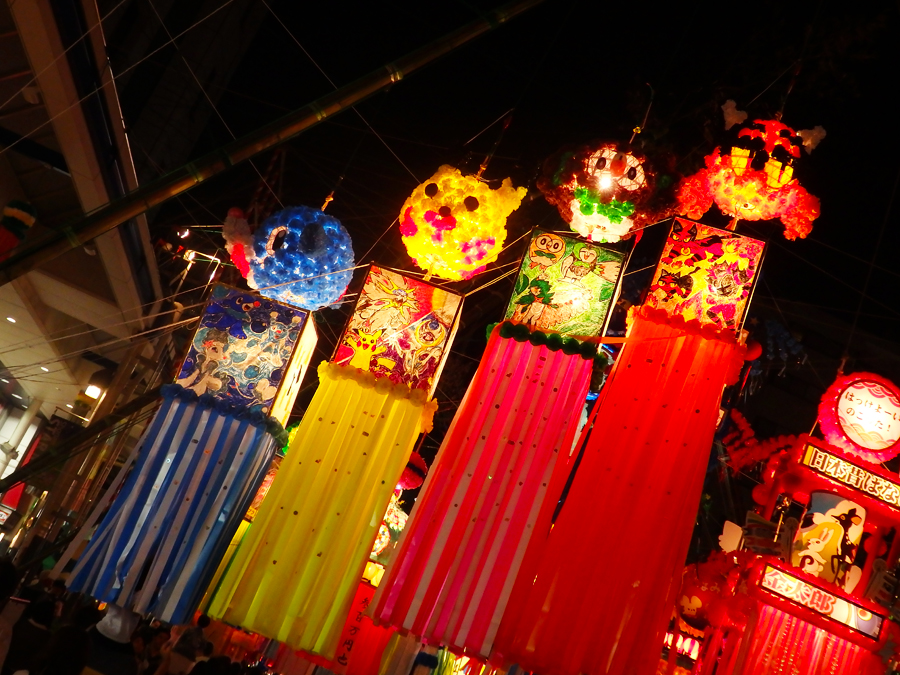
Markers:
(304, 246)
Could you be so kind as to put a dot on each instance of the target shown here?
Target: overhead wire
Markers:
(209, 99)
(63, 53)
(331, 82)
(115, 77)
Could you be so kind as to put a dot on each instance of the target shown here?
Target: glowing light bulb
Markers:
(606, 181)
(93, 391)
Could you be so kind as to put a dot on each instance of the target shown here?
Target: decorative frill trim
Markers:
(254, 417)
(383, 385)
(552, 341)
(706, 330)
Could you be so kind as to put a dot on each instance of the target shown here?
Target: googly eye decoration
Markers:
(453, 225)
(598, 188)
(302, 257)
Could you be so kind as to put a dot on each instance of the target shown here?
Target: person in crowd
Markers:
(9, 579)
(30, 638)
(188, 647)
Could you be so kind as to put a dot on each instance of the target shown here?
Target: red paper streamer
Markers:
(460, 551)
(594, 595)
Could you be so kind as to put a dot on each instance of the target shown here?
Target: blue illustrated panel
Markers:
(242, 348)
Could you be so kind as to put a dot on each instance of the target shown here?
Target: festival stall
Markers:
(818, 596)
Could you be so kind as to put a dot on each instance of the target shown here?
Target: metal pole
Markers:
(180, 180)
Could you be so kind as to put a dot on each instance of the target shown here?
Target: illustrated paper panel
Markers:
(241, 348)
(706, 274)
(566, 285)
(401, 328)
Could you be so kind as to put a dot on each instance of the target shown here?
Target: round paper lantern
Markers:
(300, 256)
(860, 413)
(598, 188)
(754, 180)
(701, 585)
(454, 225)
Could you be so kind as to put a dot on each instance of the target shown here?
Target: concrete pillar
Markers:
(8, 447)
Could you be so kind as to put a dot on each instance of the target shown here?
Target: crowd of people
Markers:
(44, 630)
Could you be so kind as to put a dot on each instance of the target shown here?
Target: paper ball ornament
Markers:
(414, 474)
(454, 225)
(754, 180)
(300, 256)
(16, 220)
(599, 189)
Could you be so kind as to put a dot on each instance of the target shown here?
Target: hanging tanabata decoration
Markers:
(17, 219)
(454, 225)
(202, 458)
(577, 607)
(705, 274)
(601, 189)
(295, 573)
(298, 255)
(754, 178)
(460, 551)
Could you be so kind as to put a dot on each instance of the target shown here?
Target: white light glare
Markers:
(45, 369)
(93, 391)
(10, 319)
(17, 396)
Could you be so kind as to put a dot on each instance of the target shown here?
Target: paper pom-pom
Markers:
(600, 189)
(414, 474)
(754, 180)
(301, 256)
(454, 225)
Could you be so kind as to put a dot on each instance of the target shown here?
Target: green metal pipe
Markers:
(180, 180)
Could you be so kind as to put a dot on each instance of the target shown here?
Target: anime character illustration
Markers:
(545, 250)
(399, 328)
(365, 347)
(386, 301)
(706, 274)
(206, 373)
(674, 284)
(241, 348)
(565, 285)
(828, 539)
(531, 304)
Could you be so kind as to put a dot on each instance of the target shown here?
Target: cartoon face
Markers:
(682, 234)
(429, 331)
(754, 180)
(598, 189)
(454, 225)
(546, 249)
(301, 256)
(612, 169)
(588, 255)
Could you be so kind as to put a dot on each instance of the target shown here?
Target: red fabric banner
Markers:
(461, 549)
(595, 593)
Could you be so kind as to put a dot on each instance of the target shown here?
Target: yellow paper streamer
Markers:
(295, 573)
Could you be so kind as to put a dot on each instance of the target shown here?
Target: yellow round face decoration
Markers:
(454, 225)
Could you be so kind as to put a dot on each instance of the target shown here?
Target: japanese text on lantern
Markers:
(869, 414)
(846, 473)
(821, 601)
(792, 588)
